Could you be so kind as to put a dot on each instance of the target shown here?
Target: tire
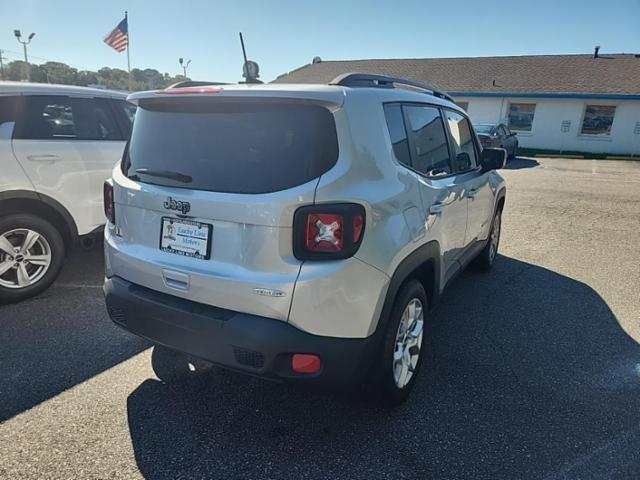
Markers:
(45, 247)
(514, 153)
(398, 366)
(484, 260)
(172, 366)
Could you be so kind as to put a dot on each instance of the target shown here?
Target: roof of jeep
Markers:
(25, 88)
(321, 92)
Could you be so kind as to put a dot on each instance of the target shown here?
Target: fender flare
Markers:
(502, 193)
(429, 252)
(49, 202)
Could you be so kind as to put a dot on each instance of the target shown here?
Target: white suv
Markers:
(58, 144)
(297, 232)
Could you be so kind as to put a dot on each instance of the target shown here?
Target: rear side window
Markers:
(397, 132)
(127, 112)
(67, 118)
(464, 154)
(429, 140)
(230, 146)
(8, 109)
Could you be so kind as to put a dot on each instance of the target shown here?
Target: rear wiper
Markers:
(178, 177)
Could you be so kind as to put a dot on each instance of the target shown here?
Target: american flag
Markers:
(118, 39)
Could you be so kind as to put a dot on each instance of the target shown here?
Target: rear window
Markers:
(235, 147)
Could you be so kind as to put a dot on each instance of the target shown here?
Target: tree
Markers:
(61, 73)
(86, 77)
(16, 70)
(112, 78)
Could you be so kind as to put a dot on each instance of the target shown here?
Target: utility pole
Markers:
(24, 45)
(2, 64)
(184, 66)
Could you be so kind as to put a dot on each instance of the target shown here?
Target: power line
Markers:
(19, 54)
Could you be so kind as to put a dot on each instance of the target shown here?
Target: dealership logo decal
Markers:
(177, 205)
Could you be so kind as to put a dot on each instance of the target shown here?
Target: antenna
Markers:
(244, 52)
(250, 69)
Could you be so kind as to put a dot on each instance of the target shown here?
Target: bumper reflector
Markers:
(305, 363)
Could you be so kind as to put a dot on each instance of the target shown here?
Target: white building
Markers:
(569, 103)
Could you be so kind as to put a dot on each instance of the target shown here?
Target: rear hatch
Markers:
(207, 191)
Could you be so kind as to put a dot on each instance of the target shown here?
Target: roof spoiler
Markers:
(352, 79)
(194, 83)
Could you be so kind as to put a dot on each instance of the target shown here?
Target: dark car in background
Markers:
(497, 135)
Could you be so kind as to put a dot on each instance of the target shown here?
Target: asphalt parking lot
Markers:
(533, 369)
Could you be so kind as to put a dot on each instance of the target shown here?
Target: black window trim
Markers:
(450, 145)
(410, 139)
(19, 119)
(404, 124)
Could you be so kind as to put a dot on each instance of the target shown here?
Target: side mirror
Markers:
(513, 134)
(493, 159)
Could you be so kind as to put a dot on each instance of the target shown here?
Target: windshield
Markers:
(237, 147)
(483, 128)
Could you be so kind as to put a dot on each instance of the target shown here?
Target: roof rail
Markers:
(352, 79)
(194, 83)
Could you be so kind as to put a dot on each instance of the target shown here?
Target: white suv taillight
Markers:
(327, 232)
(109, 205)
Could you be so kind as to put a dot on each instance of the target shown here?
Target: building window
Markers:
(521, 116)
(463, 105)
(598, 119)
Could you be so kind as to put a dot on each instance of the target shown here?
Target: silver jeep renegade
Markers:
(297, 232)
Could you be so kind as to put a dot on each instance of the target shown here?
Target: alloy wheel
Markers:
(408, 343)
(495, 237)
(25, 257)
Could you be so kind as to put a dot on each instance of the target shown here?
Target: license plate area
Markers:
(186, 237)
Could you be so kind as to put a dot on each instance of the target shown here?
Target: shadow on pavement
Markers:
(60, 338)
(519, 163)
(527, 374)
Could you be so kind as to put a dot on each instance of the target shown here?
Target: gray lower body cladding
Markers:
(247, 343)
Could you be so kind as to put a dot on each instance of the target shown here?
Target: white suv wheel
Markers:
(408, 343)
(25, 257)
(495, 238)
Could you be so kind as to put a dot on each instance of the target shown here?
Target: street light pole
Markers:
(24, 46)
(1, 64)
(184, 66)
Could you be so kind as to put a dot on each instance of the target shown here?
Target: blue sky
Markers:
(282, 35)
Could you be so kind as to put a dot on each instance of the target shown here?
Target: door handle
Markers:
(436, 208)
(43, 158)
(472, 193)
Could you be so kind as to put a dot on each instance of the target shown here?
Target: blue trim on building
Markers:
(603, 96)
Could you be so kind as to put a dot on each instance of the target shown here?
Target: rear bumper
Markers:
(247, 343)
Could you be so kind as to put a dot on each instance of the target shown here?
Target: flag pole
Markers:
(128, 45)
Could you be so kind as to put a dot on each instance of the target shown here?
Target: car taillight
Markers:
(109, 206)
(328, 232)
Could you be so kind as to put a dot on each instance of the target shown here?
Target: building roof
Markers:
(560, 75)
